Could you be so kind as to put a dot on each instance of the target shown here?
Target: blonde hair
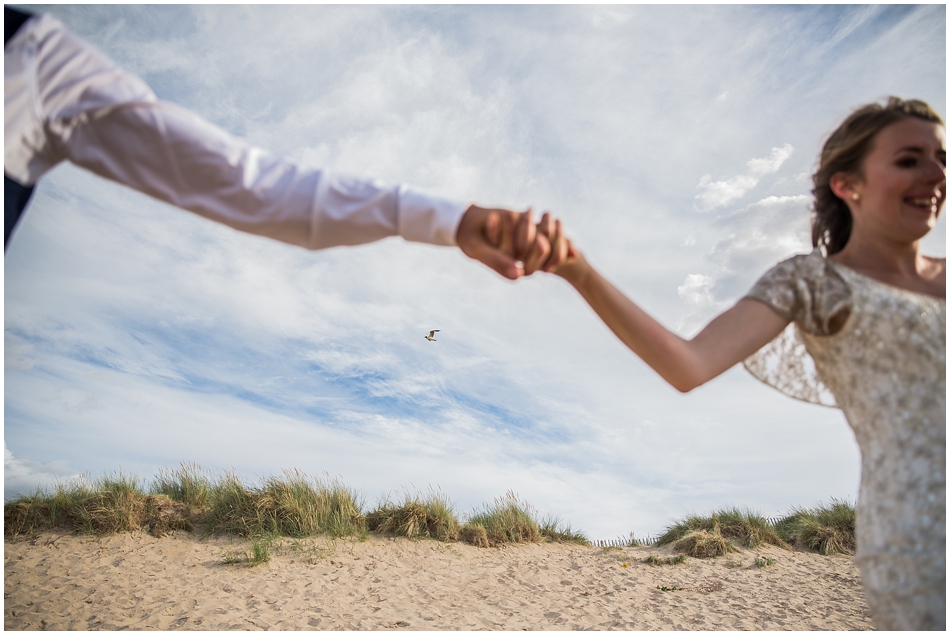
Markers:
(844, 151)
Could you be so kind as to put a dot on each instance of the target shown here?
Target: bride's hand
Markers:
(565, 260)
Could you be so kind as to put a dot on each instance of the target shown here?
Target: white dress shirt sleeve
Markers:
(64, 100)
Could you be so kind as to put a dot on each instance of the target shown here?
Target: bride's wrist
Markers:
(576, 273)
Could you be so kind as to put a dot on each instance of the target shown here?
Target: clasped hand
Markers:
(511, 243)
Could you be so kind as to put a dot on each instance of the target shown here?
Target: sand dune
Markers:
(136, 581)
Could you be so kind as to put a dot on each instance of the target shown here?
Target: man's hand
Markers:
(505, 240)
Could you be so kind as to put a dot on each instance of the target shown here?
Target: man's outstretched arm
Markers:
(99, 117)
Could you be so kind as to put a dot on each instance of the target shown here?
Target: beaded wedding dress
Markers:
(885, 368)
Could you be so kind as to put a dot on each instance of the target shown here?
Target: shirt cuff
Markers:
(429, 219)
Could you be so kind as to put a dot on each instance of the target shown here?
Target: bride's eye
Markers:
(907, 162)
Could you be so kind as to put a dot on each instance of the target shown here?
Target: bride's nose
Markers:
(936, 172)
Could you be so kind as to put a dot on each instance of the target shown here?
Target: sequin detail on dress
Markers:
(886, 369)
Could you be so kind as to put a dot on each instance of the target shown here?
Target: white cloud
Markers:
(718, 193)
(695, 290)
(24, 476)
(772, 163)
(758, 236)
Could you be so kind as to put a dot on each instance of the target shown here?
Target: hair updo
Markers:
(844, 151)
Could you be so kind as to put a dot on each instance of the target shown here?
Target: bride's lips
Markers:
(923, 203)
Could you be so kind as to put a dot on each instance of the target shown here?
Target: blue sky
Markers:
(676, 143)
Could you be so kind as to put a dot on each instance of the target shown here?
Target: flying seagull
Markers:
(431, 335)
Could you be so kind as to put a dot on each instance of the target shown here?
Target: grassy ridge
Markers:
(720, 533)
(827, 529)
(416, 516)
(295, 505)
(298, 505)
(108, 505)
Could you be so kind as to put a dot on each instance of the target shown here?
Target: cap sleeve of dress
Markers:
(809, 292)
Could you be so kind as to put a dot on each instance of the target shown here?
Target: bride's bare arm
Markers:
(685, 364)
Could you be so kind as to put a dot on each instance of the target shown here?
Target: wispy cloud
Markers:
(695, 290)
(719, 193)
(756, 237)
(24, 476)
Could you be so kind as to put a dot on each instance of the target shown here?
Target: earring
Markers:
(855, 196)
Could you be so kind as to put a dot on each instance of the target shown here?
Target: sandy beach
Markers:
(59, 581)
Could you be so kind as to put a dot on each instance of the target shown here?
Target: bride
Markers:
(860, 324)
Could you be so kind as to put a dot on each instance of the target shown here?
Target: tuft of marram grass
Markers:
(827, 529)
(432, 516)
(233, 508)
(304, 506)
(296, 505)
(656, 561)
(508, 520)
(29, 514)
(259, 552)
(188, 485)
(745, 528)
(552, 529)
(704, 544)
(474, 534)
(165, 514)
(111, 504)
(115, 504)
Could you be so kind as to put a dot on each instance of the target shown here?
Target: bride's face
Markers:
(904, 180)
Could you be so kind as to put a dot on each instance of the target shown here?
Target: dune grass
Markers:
(656, 561)
(188, 485)
(416, 516)
(552, 530)
(303, 506)
(474, 535)
(704, 544)
(720, 533)
(110, 504)
(510, 520)
(298, 506)
(507, 520)
(294, 505)
(259, 553)
(827, 529)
